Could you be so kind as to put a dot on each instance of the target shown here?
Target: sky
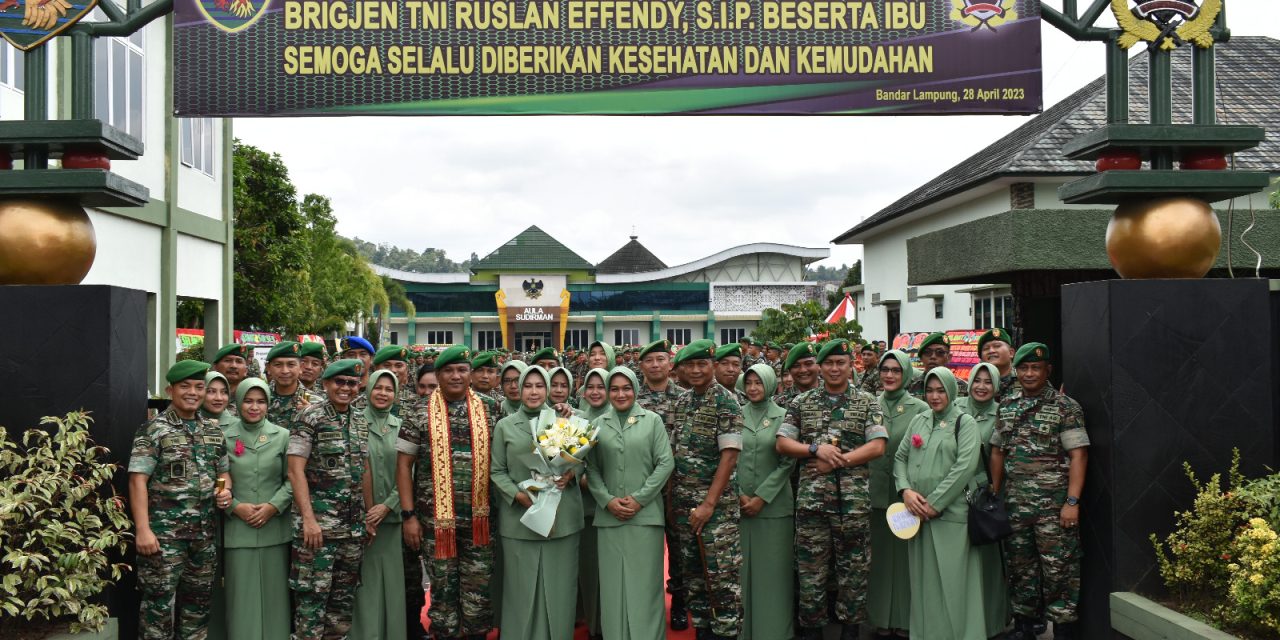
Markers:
(688, 186)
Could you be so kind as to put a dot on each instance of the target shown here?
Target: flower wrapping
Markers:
(560, 446)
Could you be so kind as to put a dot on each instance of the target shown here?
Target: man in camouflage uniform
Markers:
(232, 361)
(328, 459)
(658, 394)
(708, 439)
(484, 376)
(288, 396)
(175, 463)
(451, 530)
(870, 381)
(773, 357)
(311, 364)
(935, 351)
(802, 362)
(547, 358)
(727, 369)
(1041, 447)
(838, 430)
(396, 360)
(996, 346)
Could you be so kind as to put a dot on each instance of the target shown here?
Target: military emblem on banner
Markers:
(1171, 23)
(232, 15)
(983, 13)
(27, 24)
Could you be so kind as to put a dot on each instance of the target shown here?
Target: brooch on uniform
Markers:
(766, 422)
(262, 438)
(901, 409)
(631, 420)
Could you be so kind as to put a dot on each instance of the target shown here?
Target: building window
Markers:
(728, 336)
(577, 338)
(395, 337)
(626, 336)
(992, 309)
(937, 308)
(680, 336)
(489, 339)
(12, 69)
(197, 144)
(439, 337)
(119, 80)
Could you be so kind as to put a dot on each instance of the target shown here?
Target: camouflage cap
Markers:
(390, 352)
(837, 347)
(286, 349)
(937, 337)
(311, 350)
(997, 334)
(1031, 352)
(344, 367)
(186, 370)
(799, 352)
(731, 350)
(657, 346)
(697, 350)
(458, 353)
(232, 349)
(484, 359)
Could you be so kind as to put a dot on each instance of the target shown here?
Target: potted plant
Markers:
(60, 526)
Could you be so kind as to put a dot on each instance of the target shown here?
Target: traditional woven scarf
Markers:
(442, 473)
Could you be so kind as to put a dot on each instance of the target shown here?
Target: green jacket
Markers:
(510, 465)
(942, 466)
(382, 463)
(762, 471)
(632, 458)
(897, 418)
(260, 474)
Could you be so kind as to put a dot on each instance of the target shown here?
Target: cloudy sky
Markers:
(688, 186)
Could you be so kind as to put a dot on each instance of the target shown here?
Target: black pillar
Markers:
(1167, 371)
(67, 348)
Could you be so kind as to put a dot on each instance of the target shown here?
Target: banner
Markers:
(963, 343)
(475, 57)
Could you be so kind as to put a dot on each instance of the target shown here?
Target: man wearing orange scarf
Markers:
(443, 480)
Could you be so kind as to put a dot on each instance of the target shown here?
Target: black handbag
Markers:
(988, 519)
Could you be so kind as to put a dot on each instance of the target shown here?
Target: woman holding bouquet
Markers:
(627, 470)
(539, 585)
(595, 402)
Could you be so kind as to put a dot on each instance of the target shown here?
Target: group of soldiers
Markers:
(448, 404)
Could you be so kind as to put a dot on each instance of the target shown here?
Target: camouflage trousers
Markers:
(324, 585)
(1043, 557)
(832, 546)
(461, 601)
(675, 572)
(711, 563)
(177, 582)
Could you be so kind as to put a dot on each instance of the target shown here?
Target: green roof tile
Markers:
(533, 249)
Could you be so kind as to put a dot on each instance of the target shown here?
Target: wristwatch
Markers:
(1072, 501)
(813, 450)
(408, 513)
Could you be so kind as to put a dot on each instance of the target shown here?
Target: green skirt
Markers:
(379, 607)
(768, 578)
(540, 587)
(589, 579)
(257, 593)
(996, 601)
(888, 586)
(631, 602)
(946, 584)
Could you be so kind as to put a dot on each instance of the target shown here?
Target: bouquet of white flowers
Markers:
(560, 445)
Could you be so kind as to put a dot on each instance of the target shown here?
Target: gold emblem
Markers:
(262, 439)
(631, 420)
(1168, 23)
(386, 429)
(995, 333)
(296, 347)
(983, 13)
(1039, 353)
(901, 409)
(766, 422)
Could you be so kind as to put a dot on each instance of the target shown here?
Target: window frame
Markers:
(434, 335)
(106, 52)
(13, 69)
(487, 339)
(730, 335)
(672, 335)
(196, 150)
(571, 338)
(619, 334)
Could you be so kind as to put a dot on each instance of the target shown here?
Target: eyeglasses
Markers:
(510, 381)
(345, 382)
(935, 352)
(893, 370)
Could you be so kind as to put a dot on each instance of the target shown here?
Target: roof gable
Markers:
(1248, 71)
(532, 250)
(633, 257)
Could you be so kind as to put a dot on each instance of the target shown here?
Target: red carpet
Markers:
(581, 631)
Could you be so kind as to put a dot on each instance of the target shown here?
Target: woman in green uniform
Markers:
(509, 379)
(984, 388)
(561, 386)
(540, 584)
(768, 526)
(256, 537)
(595, 402)
(380, 599)
(216, 399)
(889, 590)
(932, 468)
(627, 470)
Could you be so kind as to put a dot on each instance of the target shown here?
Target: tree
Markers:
(342, 283)
(396, 296)
(272, 289)
(852, 277)
(796, 322)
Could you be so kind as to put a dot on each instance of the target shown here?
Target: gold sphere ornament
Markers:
(1163, 238)
(45, 242)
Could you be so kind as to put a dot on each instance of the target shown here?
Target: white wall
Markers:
(199, 268)
(128, 253)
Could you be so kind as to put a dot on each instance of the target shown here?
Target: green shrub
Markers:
(1264, 496)
(1254, 588)
(60, 522)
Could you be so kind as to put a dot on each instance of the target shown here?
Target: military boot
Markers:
(702, 634)
(679, 615)
(1023, 629)
(1064, 631)
(849, 632)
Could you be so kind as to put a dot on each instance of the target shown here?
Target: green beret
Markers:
(1031, 352)
(997, 334)
(228, 350)
(186, 370)
(870, 346)
(697, 350)
(731, 350)
(390, 352)
(772, 345)
(286, 349)
(346, 367)
(311, 350)
(483, 359)
(786, 346)
(657, 346)
(837, 347)
(937, 337)
(799, 352)
(453, 355)
(746, 340)
(546, 353)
